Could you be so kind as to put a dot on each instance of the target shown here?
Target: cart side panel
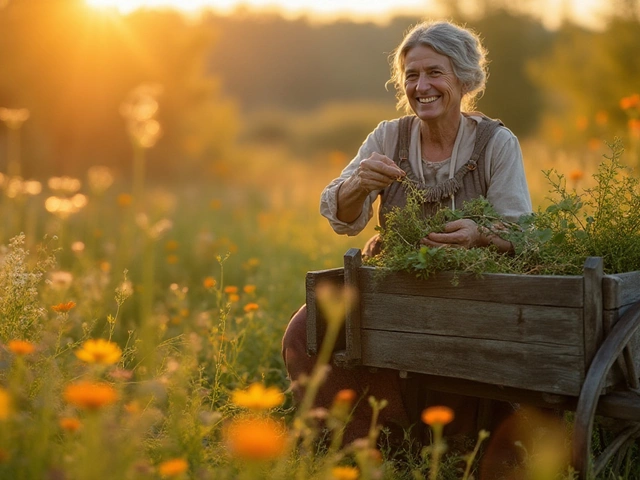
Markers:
(545, 368)
(561, 291)
(509, 330)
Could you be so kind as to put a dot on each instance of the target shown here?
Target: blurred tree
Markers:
(72, 67)
(584, 77)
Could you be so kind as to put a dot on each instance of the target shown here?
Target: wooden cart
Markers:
(565, 342)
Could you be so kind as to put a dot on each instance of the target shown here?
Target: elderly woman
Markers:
(453, 154)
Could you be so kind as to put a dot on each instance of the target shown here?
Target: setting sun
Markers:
(587, 12)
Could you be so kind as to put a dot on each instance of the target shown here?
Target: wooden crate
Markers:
(537, 333)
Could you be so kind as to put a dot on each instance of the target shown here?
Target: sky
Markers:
(585, 12)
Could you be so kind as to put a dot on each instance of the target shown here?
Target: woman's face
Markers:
(432, 89)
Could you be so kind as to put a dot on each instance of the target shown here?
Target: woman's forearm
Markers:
(351, 197)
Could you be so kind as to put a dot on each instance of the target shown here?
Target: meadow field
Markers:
(141, 337)
(159, 189)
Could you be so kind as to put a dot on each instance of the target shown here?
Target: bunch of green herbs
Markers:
(601, 221)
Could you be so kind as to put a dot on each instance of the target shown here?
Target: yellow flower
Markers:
(251, 307)
(5, 404)
(99, 351)
(249, 289)
(21, 347)
(438, 415)
(209, 282)
(345, 473)
(257, 397)
(173, 467)
(63, 307)
(255, 439)
(89, 395)
(70, 424)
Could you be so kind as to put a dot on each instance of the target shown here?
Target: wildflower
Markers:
(70, 424)
(253, 262)
(100, 179)
(215, 204)
(77, 247)
(345, 395)
(255, 439)
(230, 289)
(576, 174)
(632, 101)
(234, 297)
(99, 351)
(634, 127)
(257, 397)
(5, 404)
(173, 467)
(582, 122)
(21, 347)
(209, 282)
(124, 199)
(345, 473)
(63, 307)
(251, 307)
(90, 395)
(171, 245)
(594, 144)
(172, 259)
(602, 117)
(249, 289)
(438, 415)
(60, 280)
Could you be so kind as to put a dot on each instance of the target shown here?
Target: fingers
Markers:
(377, 172)
(459, 233)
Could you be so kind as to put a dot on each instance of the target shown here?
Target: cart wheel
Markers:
(612, 347)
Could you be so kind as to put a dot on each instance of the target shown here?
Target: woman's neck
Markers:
(437, 139)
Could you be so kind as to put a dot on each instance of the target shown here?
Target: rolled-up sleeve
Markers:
(329, 197)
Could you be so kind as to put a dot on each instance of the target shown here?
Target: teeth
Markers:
(427, 100)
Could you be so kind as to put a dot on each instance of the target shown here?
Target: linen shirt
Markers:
(507, 188)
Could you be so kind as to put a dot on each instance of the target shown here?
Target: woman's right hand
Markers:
(377, 172)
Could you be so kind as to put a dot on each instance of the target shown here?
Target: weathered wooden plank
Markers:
(473, 319)
(352, 262)
(545, 368)
(315, 319)
(620, 289)
(562, 291)
(593, 274)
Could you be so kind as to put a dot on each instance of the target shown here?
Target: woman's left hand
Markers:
(459, 233)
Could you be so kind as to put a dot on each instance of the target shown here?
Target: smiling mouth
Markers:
(424, 100)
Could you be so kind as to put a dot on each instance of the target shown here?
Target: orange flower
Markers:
(209, 282)
(99, 351)
(345, 473)
(70, 424)
(89, 395)
(634, 127)
(21, 347)
(171, 245)
(257, 397)
(125, 199)
(5, 404)
(173, 467)
(172, 259)
(63, 307)
(576, 174)
(594, 144)
(251, 307)
(255, 439)
(345, 396)
(438, 415)
(602, 117)
(632, 101)
(582, 122)
(249, 289)
(234, 297)
(230, 289)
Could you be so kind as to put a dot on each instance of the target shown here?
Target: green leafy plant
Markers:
(602, 221)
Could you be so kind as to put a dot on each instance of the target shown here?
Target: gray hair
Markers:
(461, 45)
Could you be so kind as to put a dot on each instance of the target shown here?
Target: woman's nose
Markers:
(423, 83)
